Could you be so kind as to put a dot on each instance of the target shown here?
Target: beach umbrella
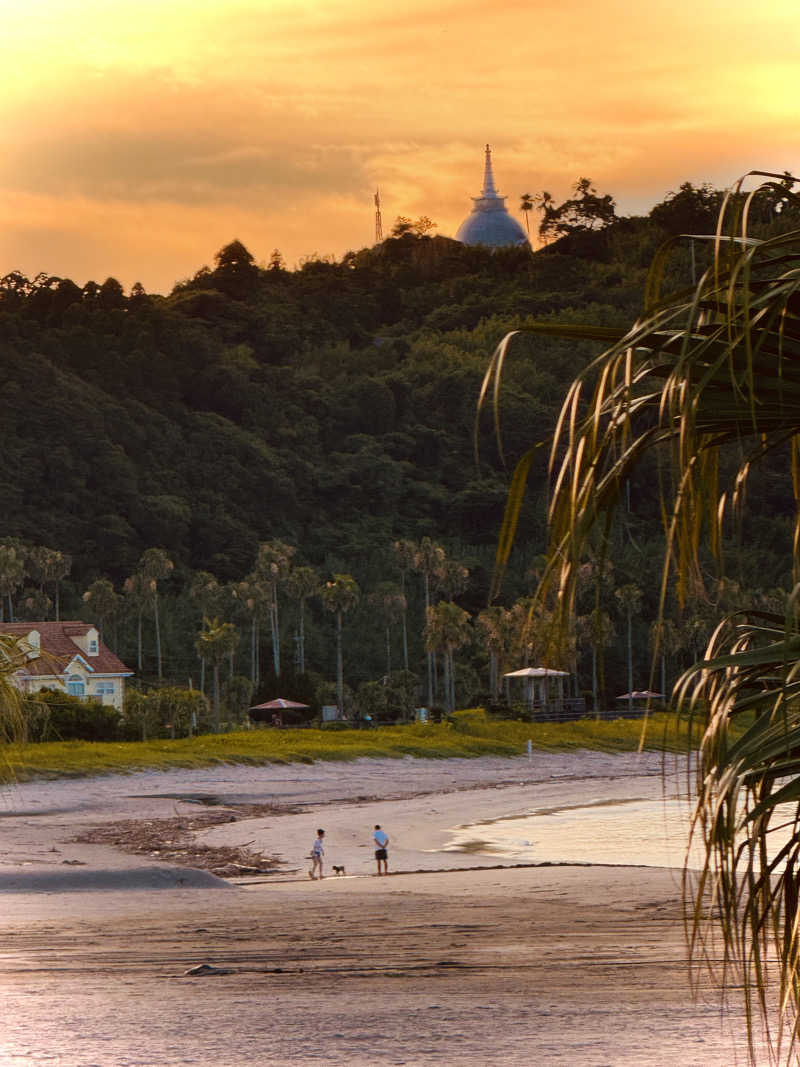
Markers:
(537, 672)
(273, 710)
(279, 704)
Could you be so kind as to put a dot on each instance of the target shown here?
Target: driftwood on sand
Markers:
(172, 840)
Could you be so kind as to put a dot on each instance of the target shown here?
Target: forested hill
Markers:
(331, 406)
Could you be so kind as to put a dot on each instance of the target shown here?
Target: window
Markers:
(93, 647)
(104, 689)
(76, 686)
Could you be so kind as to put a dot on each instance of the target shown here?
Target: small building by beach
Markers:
(69, 656)
(544, 694)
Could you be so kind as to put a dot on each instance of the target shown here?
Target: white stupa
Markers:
(489, 222)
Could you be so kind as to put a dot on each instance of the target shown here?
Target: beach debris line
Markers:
(171, 841)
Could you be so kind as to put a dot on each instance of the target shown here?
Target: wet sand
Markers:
(462, 962)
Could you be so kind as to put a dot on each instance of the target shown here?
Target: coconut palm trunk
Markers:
(428, 653)
(339, 663)
(405, 553)
(339, 596)
(446, 629)
(216, 698)
(276, 632)
(158, 636)
(301, 634)
(302, 583)
(217, 641)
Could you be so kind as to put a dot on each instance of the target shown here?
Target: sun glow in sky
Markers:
(140, 137)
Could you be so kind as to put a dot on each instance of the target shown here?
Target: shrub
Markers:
(473, 721)
(52, 715)
(371, 702)
(168, 712)
(237, 695)
(401, 693)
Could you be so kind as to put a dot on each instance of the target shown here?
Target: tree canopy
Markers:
(330, 408)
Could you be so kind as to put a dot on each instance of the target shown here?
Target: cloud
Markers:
(140, 140)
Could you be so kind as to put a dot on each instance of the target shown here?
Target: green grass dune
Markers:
(468, 735)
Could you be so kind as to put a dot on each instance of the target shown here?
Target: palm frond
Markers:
(695, 375)
(493, 376)
(702, 369)
(747, 813)
(13, 656)
(508, 530)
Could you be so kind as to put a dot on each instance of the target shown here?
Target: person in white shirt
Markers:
(317, 852)
(381, 839)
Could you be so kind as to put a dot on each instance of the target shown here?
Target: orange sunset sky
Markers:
(140, 137)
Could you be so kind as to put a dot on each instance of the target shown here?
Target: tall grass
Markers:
(470, 734)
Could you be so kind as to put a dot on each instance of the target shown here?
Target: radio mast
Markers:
(378, 222)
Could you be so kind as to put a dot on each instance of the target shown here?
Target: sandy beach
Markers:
(532, 915)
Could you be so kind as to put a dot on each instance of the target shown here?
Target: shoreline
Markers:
(453, 956)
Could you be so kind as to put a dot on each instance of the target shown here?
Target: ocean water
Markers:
(638, 832)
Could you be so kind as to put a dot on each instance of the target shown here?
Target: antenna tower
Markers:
(378, 222)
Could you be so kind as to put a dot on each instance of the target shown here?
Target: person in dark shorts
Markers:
(381, 839)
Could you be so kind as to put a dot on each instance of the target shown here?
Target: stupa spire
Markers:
(489, 189)
(489, 222)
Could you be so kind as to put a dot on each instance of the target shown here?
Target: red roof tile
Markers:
(58, 648)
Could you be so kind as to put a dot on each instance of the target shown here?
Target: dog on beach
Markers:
(338, 870)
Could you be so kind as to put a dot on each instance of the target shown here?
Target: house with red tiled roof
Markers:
(69, 656)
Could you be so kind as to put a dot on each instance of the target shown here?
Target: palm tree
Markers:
(545, 203)
(598, 630)
(339, 596)
(102, 602)
(272, 568)
(447, 628)
(154, 566)
(488, 625)
(428, 559)
(595, 627)
(12, 574)
(254, 598)
(665, 640)
(49, 565)
(405, 553)
(34, 604)
(138, 591)
(532, 637)
(715, 366)
(452, 578)
(391, 603)
(526, 207)
(302, 583)
(216, 641)
(630, 599)
(500, 630)
(205, 591)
